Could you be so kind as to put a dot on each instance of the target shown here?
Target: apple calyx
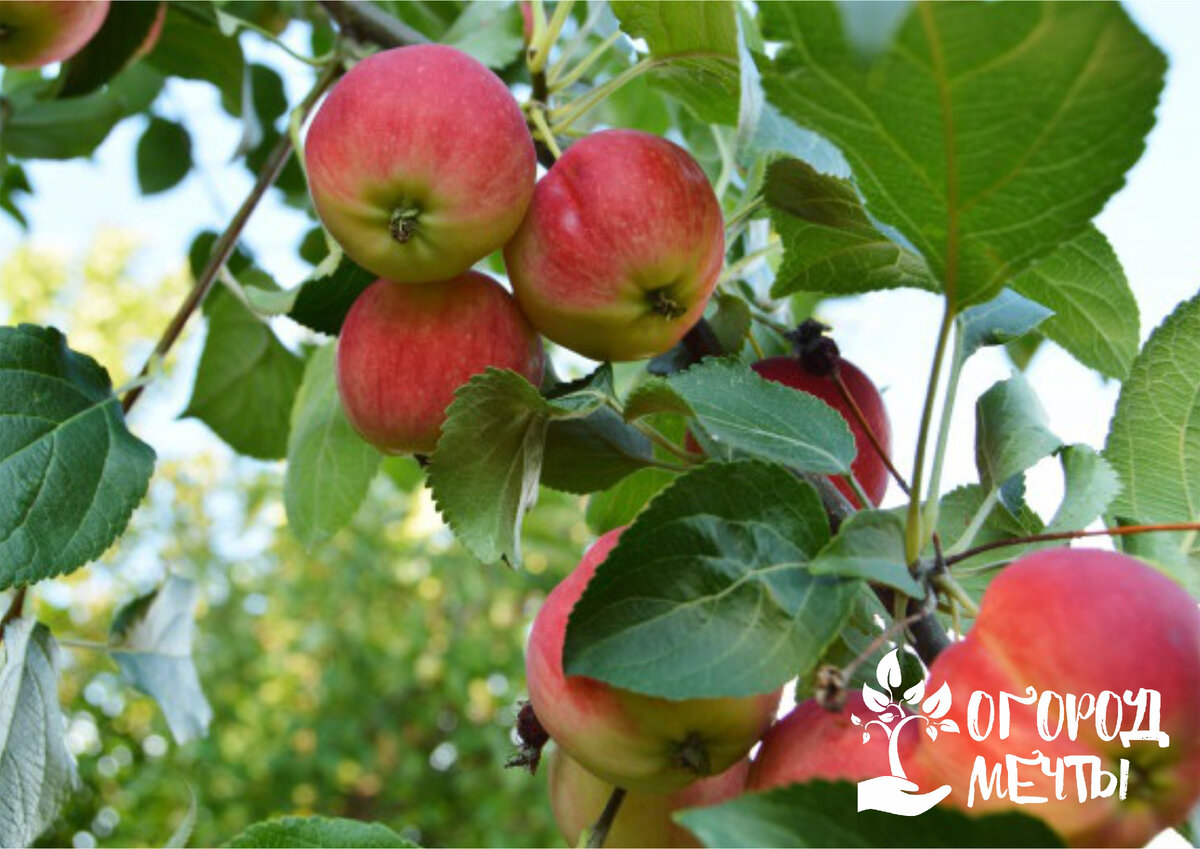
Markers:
(817, 352)
(403, 223)
(692, 755)
(664, 304)
(533, 738)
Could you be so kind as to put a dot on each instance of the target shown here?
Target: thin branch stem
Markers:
(599, 832)
(893, 630)
(539, 51)
(914, 538)
(734, 270)
(933, 491)
(538, 115)
(16, 608)
(364, 22)
(1127, 530)
(565, 116)
(225, 244)
(861, 418)
(89, 645)
(985, 510)
(857, 488)
(558, 82)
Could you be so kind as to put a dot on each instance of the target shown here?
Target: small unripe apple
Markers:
(813, 743)
(404, 349)
(621, 247)
(420, 163)
(644, 819)
(642, 743)
(38, 32)
(1077, 622)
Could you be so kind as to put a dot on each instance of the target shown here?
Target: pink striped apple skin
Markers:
(420, 163)
(34, 33)
(404, 349)
(628, 739)
(621, 247)
(1078, 621)
(645, 819)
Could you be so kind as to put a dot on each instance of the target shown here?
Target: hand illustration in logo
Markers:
(895, 793)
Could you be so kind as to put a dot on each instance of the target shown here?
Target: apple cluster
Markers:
(1080, 621)
(420, 164)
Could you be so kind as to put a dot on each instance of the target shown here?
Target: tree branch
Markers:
(227, 241)
(365, 22)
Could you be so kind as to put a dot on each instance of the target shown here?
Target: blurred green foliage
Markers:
(373, 677)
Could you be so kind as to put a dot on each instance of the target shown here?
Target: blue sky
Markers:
(1152, 224)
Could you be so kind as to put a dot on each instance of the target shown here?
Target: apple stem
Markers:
(871, 437)
(1127, 530)
(599, 832)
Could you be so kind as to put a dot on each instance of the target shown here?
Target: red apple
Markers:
(37, 32)
(638, 742)
(621, 247)
(1077, 622)
(813, 743)
(420, 163)
(404, 349)
(644, 819)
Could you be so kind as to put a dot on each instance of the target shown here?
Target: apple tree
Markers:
(578, 254)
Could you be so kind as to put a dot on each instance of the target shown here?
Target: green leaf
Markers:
(329, 466)
(1089, 483)
(653, 397)
(36, 770)
(998, 171)
(830, 244)
(696, 44)
(324, 299)
(870, 546)
(246, 382)
(822, 813)
(71, 473)
(855, 638)
(198, 50)
(483, 487)
(590, 454)
(745, 412)
(761, 129)
(731, 321)
(318, 833)
(1006, 317)
(1011, 433)
(1095, 314)
(959, 506)
(620, 504)
(489, 32)
(164, 156)
(151, 642)
(1154, 439)
(707, 593)
(58, 129)
(124, 31)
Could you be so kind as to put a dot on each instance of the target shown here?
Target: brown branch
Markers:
(365, 22)
(227, 241)
(599, 832)
(15, 609)
(1128, 530)
(874, 440)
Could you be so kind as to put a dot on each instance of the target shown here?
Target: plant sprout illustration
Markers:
(892, 716)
